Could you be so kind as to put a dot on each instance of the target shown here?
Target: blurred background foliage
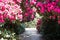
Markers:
(32, 24)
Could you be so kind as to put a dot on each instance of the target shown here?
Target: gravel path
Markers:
(30, 34)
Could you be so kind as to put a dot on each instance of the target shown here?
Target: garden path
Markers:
(31, 34)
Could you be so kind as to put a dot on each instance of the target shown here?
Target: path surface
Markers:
(31, 34)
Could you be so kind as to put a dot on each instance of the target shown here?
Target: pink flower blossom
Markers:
(32, 17)
(20, 17)
(39, 21)
(57, 10)
(0, 0)
(1, 18)
(50, 7)
(54, 3)
(3, 8)
(12, 18)
(5, 15)
(2, 21)
(39, 4)
(26, 14)
(19, 1)
(33, 2)
(42, 10)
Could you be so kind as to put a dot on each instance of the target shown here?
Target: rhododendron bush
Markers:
(50, 9)
(14, 13)
(50, 22)
(16, 10)
(10, 10)
(19, 11)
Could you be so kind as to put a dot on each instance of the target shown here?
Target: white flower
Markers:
(7, 35)
(2, 39)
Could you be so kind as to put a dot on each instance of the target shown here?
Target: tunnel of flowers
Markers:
(16, 15)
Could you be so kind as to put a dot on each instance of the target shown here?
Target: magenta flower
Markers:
(54, 3)
(0, 0)
(2, 21)
(26, 14)
(3, 8)
(41, 7)
(57, 10)
(5, 15)
(32, 17)
(42, 10)
(33, 2)
(20, 17)
(12, 18)
(39, 4)
(50, 7)
(19, 1)
(1, 18)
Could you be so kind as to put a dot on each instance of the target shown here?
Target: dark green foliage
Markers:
(50, 29)
(18, 29)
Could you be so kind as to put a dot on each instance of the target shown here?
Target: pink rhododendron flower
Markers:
(12, 18)
(2, 21)
(3, 8)
(26, 14)
(33, 2)
(1, 18)
(34, 9)
(5, 15)
(0, 0)
(57, 10)
(50, 7)
(31, 11)
(20, 17)
(32, 17)
(41, 7)
(39, 4)
(42, 10)
(19, 1)
(54, 3)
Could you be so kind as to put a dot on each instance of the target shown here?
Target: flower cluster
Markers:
(50, 9)
(28, 10)
(10, 10)
(24, 10)
(16, 10)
